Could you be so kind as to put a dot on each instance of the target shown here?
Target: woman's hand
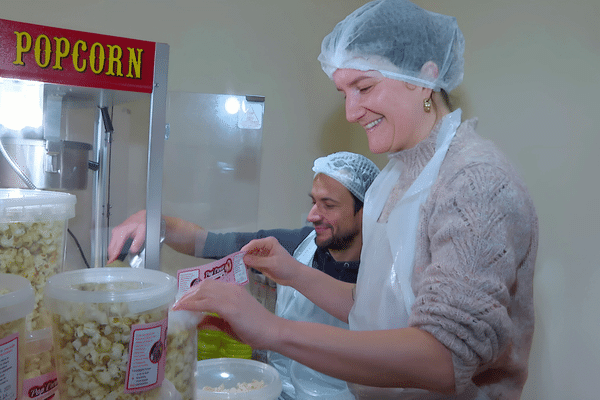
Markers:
(239, 314)
(133, 227)
(270, 258)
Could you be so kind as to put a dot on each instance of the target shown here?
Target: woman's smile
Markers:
(372, 124)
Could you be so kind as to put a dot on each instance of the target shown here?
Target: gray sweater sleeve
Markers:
(473, 285)
(219, 245)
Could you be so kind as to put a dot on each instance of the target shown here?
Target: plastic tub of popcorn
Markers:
(237, 378)
(109, 327)
(33, 227)
(16, 302)
(182, 343)
(40, 379)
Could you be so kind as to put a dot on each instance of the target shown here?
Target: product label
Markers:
(43, 387)
(147, 356)
(9, 371)
(229, 269)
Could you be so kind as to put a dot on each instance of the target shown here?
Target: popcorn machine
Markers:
(85, 113)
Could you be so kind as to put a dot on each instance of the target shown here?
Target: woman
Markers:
(443, 304)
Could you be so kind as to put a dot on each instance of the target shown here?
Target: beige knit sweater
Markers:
(475, 255)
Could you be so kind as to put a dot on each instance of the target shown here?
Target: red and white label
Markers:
(43, 387)
(147, 356)
(229, 269)
(9, 363)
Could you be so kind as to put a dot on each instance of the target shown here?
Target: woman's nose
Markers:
(353, 109)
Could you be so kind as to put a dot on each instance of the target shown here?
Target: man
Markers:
(332, 245)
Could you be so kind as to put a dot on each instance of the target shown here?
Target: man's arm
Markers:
(189, 238)
(181, 235)
(218, 245)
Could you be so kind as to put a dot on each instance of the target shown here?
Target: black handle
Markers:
(93, 165)
(125, 249)
(108, 126)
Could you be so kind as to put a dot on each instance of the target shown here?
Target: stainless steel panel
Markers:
(48, 164)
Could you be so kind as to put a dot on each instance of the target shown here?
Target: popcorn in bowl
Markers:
(236, 378)
(240, 387)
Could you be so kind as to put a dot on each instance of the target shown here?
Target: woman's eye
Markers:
(364, 89)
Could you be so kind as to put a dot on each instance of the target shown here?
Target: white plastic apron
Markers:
(301, 382)
(384, 295)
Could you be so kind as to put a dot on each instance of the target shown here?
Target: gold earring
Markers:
(427, 105)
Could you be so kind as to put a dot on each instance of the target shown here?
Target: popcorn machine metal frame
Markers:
(90, 92)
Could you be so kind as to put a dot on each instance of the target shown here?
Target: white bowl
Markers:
(231, 371)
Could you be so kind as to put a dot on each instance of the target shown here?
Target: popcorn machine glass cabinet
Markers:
(85, 113)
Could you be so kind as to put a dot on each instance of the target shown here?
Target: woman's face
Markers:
(391, 111)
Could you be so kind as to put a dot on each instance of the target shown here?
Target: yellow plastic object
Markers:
(217, 344)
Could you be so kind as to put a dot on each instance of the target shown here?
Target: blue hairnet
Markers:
(397, 38)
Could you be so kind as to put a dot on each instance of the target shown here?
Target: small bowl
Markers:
(229, 372)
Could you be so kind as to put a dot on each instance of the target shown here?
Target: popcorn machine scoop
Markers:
(85, 113)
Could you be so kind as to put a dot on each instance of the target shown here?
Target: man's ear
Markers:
(429, 71)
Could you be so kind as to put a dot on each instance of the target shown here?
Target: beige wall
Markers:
(531, 76)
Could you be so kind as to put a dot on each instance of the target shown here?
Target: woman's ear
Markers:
(429, 71)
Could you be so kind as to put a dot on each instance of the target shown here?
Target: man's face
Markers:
(332, 214)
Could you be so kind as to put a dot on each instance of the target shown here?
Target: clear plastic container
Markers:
(310, 384)
(181, 352)
(40, 380)
(109, 327)
(235, 378)
(16, 302)
(33, 227)
(262, 289)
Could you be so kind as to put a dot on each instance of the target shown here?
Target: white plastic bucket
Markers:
(109, 327)
(182, 352)
(16, 302)
(40, 379)
(33, 227)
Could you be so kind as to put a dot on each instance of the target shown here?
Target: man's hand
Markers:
(133, 227)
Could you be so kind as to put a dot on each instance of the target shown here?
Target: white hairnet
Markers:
(356, 172)
(397, 38)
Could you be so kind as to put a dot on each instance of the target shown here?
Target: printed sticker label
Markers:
(229, 269)
(9, 371)
(147, 356)
(43, 387)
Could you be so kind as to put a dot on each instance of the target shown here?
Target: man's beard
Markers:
(336, 242)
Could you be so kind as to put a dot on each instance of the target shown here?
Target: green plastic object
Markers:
(217, 344)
